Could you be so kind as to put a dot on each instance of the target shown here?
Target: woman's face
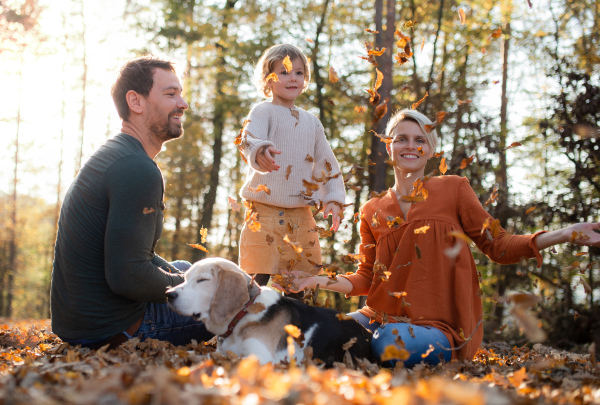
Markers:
(409, 149)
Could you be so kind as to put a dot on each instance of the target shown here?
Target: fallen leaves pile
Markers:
(36, 367)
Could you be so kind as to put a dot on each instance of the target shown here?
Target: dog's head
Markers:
(213, 292)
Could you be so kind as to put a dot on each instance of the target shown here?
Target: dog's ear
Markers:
(230, 296)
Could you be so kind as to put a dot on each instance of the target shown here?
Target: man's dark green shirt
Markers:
(105, 268)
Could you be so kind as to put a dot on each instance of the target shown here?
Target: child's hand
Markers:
(265, 161)
(335, 210)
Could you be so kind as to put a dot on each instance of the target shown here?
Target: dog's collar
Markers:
(254, 291)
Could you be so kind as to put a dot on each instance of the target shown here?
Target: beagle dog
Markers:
(249, 319)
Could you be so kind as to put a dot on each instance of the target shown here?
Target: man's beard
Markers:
(167, 131)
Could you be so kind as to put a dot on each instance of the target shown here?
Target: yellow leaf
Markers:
(203, 234)
(530, 210)
(287, 64)
(292, 330)
(422, 229)
(360, 109)
(393, 352)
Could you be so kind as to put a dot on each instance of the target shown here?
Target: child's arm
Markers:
(265, 160)
(255, 139)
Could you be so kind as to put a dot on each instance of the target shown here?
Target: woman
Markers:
(419, 276)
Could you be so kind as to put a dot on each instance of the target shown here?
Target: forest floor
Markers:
(36, 367)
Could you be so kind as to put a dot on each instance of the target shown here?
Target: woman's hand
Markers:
(587, 234)
(265, 160)
(334, 210)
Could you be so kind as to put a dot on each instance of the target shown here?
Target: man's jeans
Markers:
(384, 336)
(160, 322)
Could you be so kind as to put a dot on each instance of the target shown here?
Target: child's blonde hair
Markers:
(415, 116)
(264, 67)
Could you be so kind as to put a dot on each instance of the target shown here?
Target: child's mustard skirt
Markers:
(275, 240)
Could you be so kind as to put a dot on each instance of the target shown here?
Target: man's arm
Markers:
(134, 189)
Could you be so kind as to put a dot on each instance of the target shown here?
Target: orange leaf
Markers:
(310, 40)
(198, 246)
(370, 31)
(466, 162)
(530, 210)
(147, 211)
(423, 43)
(261, 187)
(288, 171)
(292, 330)
(514, 145)
(287, 63)
(418, 103)
(461, 102)
(378, 78)
(497, 33)
(443, 166)
(272, 77)
(333, 76)
(376, 52)
(462, 16)
(360, 109)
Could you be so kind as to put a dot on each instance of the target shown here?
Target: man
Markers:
(108, 285)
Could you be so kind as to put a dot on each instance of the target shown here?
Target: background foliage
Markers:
(545, 61)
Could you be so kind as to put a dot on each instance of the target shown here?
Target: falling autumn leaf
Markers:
(376, 52)
(422, 229)
(380, 110)
(233, 204)
(288, 171)
(272, 77)
(393, 352)
(496, 33)
(514, 145)
(462, 16)
(461, 102)
(530, 210)
(269, 239)
(309, 158)
(443, 167)
(198, 246)
(309, 40)
(428, 351)
(423, 43)
(333, 76)
(287, 64)
(203, 234)
(370, 31)
(360, 109)
(418, 103)
(465, 162)
(259, 188)
(147, 211)
(292, 330)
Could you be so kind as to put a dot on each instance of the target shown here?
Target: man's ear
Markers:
(135, 101)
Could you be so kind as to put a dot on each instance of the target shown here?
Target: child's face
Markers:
(290, 85)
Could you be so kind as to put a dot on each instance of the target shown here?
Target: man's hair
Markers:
(264, 66)
(137, 75)
(414, 116)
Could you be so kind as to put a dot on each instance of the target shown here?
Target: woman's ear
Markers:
(135, 101)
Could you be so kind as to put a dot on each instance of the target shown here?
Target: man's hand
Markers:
(335, 210)
(265, 160)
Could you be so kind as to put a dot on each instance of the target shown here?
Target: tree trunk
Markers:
(218, 127)
(502, 211)
(384, 39)
(319, 81)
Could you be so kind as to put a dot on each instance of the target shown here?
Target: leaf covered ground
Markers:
(36, 367)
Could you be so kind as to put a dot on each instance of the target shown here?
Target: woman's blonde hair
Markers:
(415, 116)
(264, 67)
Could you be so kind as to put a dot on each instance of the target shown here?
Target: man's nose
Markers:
(183, 104)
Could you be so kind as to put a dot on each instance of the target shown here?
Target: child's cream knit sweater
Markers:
(305, 155)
